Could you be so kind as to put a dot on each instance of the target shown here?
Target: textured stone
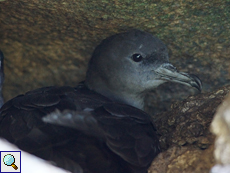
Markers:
(185, 135)
(49, 42)
(221, 128)
(183, 159)
(188, 122)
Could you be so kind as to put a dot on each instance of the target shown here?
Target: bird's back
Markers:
(108, 137)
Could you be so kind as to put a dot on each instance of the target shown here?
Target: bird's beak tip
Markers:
(196, 82)
(169, 72)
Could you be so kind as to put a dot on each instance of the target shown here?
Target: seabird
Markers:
(109, 131)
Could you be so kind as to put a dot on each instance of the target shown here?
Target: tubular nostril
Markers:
(169, 67)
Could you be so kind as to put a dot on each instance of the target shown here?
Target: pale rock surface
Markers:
(220, 126)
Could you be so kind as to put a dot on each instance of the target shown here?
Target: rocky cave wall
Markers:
(49, 42)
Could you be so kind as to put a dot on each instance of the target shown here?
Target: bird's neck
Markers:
(131, 99)
(121, 96)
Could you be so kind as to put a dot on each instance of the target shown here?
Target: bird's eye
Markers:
(137, 57)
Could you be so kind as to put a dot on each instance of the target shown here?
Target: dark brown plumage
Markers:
(127, 130)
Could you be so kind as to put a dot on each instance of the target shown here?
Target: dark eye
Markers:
(137, 57)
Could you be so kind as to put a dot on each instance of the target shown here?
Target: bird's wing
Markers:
(108, 137)
(21, 123)
(130, 133)
(127, 131)
(21, 115)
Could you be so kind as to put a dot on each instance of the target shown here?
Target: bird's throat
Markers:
(135, 100)
(117, 93)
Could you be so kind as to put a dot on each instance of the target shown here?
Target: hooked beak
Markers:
(168, 72)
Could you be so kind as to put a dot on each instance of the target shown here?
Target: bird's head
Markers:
(127, 65)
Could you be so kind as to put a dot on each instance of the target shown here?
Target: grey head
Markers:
(125, 66)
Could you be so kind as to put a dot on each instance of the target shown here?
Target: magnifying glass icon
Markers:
(9, 160)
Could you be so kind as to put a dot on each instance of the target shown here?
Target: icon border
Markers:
(19, 164)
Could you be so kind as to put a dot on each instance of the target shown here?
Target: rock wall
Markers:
(49, 42)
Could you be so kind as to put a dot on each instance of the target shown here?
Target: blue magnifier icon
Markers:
(9, 160)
